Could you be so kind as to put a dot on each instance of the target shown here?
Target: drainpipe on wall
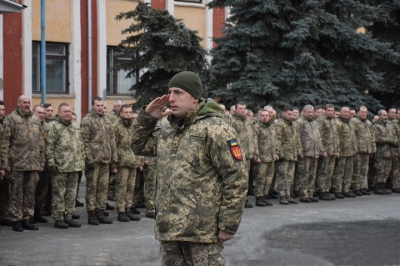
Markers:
(90, 53)
(43, 51)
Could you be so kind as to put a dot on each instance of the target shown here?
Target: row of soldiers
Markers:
(318, 155)
(43, 156)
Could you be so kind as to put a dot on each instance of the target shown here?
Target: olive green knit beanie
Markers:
(189, 82)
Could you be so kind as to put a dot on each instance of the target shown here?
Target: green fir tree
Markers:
(299, 52)
(159, 46)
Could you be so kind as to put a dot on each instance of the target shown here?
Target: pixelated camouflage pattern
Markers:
(266, 141)
(22, 194)
(63, 195)
(343, 173)
(347, 137)
(365, 137)
(113, 116)
(26, 141)
(310, 137)
(307, 169)
(99, 139)
(150, 186)
(124, 187)
(329, 135)
(97, 178)
(360, 169)
(325, 173)
(284, 177)
(288, 143)
(201, 187)
(384, 138)
(263, 178)
(4, 145)
(64, 146)
(123, 141)
(191, 254)
(246, 135)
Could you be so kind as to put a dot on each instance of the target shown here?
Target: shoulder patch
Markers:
(235, 149)
(45, 135)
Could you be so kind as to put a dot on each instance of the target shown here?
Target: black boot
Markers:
(260, 202)
(122, 217)
(78, 203)
(380, 188)
(38, 217)
(135, 210)
(109, 207)
(131, 216)
(60, 224)
(75, 216)
(17, 227)
(92, 220)
(72, 223)
(102, 218)
(28, 226)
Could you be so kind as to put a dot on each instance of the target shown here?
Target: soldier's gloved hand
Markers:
(53, 170)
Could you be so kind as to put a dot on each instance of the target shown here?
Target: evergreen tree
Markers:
(160, 46)
(299, 52)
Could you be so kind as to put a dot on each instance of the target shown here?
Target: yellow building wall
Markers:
(115, 27)
(194, 19)
(55, 102)
(58, 20)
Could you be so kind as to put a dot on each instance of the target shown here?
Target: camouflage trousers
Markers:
(178, 253)
(64, 195)
(394, 174)
(5, 186)
(360, 170)
(139, 188)
(307, 168)
(296, 177)
(124, 187)
(150, 186)
(263, 178)
(326, 168)
(22, 194)
(111, 186)
(383, 167)
(97, 176)
(42, 189)
(284, 177)
(343, 173)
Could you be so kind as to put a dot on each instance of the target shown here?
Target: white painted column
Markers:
(171, 7)
(75, 63)
(209, 27)
(1, 60)
(27, 49)
(102, 49)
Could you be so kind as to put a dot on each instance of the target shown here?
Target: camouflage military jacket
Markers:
(64, 145)
(113, 116)
(288, 143)
(310, 137)
(201, 186)
(266, 141)
(123, 141)
(329, 135)
(26, 141)
(384, 138)
(4, 145)
(347, 139)
(99, 139)
(365, 138)
(395, 128)
(246, 135)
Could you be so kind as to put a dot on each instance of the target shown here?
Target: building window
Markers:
(56, 67)
(117, 82)
(190, 1)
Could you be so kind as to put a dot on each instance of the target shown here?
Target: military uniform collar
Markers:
(18, 111)
(187, 119)
(94, 113)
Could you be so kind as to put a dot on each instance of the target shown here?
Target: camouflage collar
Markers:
(18, 111)
(58, 119)
(361, 119)
(344, 120)
(94, 113)
(187, 119)
(287, 121)
(265, 124)
(242, 117)
(126, 122)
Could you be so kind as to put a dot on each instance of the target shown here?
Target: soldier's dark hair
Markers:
(124, 107)
(239, 103)
(287, 108)
(329, 106)
(317, 107)
(36, 106)
(2, 103)
(96, 99)
(72, 113)
(45, 105)
(62, 105)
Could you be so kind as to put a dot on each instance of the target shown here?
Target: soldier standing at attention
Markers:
(288, 149)
(267, 147)
(65, 156)
(99, 141)
(202, 178)
(127, 163)
(4, 155)
(365, 140)
(27, 158)
(310, 137)
(114, 114)
(343, 173)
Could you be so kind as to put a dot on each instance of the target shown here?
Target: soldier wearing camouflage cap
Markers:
(202, 178)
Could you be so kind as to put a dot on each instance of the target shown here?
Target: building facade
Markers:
(81, 41)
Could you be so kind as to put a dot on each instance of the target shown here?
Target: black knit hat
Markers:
(188, 81)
